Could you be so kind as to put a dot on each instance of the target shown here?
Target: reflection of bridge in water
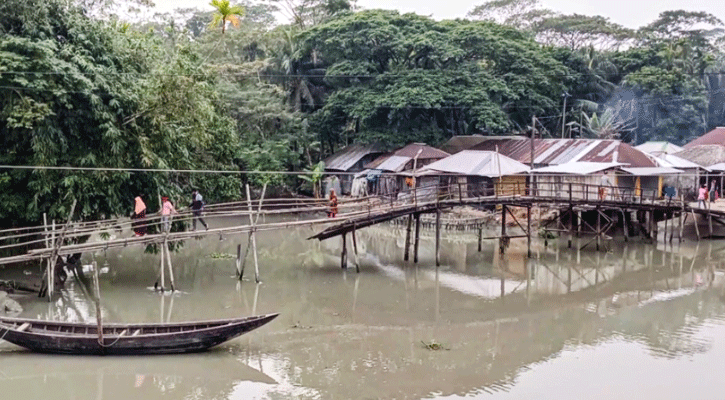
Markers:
(636, 299)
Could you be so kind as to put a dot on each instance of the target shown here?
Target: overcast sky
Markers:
(630, 13)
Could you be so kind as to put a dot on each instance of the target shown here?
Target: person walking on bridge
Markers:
(197, 207)
(166, 210)
(701, 196)
(332, 212)
(139, 217)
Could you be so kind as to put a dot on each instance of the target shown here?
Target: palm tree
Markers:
(225, 13)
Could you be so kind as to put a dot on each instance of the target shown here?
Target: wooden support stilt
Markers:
(163, 274)
(625, 228)
(528, 232)
(709, 221)
(238, 261)
(406, 255)
(354, 248)
(438, 237)
(417, 238)
(502, 239)
(578, 223)
(571, 222)
(97, 301)
(599, 228)
(168, 263)
(480, 235)
(694, 220)
(252, 222)
(56, 249)
(664, 239)
(655, 226)
(343, 255)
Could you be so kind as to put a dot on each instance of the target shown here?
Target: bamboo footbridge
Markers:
(49, 241)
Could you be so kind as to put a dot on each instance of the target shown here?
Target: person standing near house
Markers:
(167, 208)
(701, 196)
(604, 185)
(197, 207)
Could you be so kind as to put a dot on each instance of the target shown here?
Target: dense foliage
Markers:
(226, 89)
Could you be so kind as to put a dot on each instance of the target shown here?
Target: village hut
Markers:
(472, 173)
(597, 155)
(687, 182)
(705, 155)
(387, 171)
(350, 160)
(584, 177)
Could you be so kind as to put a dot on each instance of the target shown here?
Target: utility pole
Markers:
(563, 114)
(533, 135)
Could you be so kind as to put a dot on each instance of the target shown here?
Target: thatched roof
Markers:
(705, 155)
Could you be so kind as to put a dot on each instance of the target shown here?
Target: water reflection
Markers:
(507, 321)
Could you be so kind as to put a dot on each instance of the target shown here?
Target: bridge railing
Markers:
(454, 188)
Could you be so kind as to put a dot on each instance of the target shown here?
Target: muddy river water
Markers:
(637, 321)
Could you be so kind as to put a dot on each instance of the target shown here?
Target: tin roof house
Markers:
(352, 159)
(475, 173)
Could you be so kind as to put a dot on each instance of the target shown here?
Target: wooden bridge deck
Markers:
(357, 214)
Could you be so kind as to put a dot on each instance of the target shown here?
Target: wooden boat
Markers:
(125, 339)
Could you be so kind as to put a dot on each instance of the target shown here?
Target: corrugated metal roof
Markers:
(719, 167)
(576, 168)
(390, 163)
(561, 151)
(651, 171)
(658, 148)
(346, 158)
(673, 161)
(715, 136)
(426, 152)
(463, 142)
(479, 163)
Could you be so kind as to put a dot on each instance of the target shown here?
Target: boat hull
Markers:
(125, 339)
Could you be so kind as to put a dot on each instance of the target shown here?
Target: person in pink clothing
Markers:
(166, 210)
(701, 196)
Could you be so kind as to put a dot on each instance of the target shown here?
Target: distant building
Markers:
(658, 148)
(715, 136)
(549, 152)
(409, 158)
(475, 173)
(352, 159)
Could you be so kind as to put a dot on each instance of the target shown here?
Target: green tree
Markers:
(224, 12)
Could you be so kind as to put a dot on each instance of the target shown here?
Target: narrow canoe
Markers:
(125, 339)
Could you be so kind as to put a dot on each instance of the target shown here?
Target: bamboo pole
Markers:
(406, 254)
(417, 238)
(168, 263)
(354, 247)
(97, 300)
(238, 261)
(694, 220)
(438, 237)
(252, 222)
(528, 231)
(343, 255)
(56, 249)
(161, 266)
